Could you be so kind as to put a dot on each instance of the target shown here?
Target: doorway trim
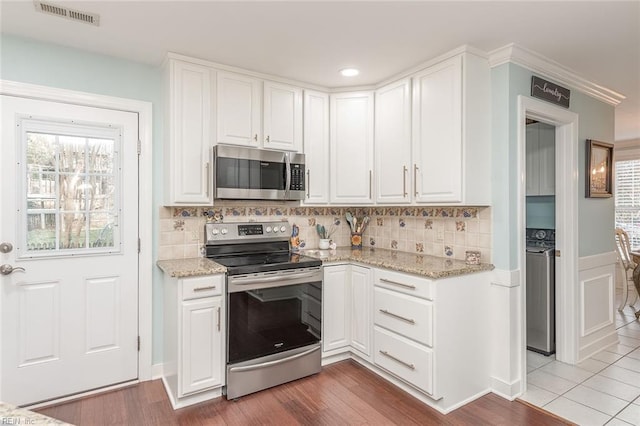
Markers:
(145, 199)
(566, 197)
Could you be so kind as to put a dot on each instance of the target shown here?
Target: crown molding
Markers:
(548, 68)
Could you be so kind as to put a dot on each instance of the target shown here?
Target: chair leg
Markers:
(625, 296)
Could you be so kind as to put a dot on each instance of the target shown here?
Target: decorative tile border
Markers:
(238, 210)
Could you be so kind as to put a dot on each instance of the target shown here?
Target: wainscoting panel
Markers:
(596, 292)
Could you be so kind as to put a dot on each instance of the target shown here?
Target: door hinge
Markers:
(557, 253)
(139, 244)
(139, 147)
(138, 343)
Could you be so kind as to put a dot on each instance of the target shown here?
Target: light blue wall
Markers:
(596, 121)
(44, 64)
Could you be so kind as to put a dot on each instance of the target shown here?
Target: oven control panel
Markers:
(242, 231)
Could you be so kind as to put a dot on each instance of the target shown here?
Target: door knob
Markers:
(6, 248)
(6, 269)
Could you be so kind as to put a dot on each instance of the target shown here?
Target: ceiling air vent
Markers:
(65, 12)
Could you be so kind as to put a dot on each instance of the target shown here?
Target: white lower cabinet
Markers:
(335, 308)
(430, 337)
(346, 313)
(361, 310)
(194, 347)
(408, 360)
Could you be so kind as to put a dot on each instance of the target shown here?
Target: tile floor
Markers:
(602, 390)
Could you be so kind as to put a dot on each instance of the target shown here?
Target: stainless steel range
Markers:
(274, 305)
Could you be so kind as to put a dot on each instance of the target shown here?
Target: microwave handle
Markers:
(287, 161)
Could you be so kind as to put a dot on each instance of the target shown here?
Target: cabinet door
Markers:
(393, 143)
(532, 181)
(201, 360)
(335, 308)
(437, 133)
(316, 146)
(282, 117)
(238, 109)
(547, 159)
(351, 148)
(361, 322)
(190, 136)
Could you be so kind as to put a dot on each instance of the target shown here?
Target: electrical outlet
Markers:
(440, 235)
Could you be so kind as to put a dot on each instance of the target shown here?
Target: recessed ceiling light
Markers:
(349, 72)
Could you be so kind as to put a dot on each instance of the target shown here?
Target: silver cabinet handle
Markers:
(308, 183)
(384, 280)
(370, 183)
(255, 137)
(391, 314)
(211, 287)
(218, 319)
(404, 181)
(208, 179)
(406, 364)
(415, 180)
(6, 269)
(267, 138)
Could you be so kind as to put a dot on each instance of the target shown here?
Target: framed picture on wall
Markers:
(599, 181)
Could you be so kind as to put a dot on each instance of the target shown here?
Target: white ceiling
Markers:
(310, 41)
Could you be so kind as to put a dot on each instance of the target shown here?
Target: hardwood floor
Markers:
(344, 393)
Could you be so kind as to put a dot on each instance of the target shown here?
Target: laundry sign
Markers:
(550, 92)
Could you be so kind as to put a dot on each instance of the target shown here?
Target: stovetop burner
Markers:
(254, 247)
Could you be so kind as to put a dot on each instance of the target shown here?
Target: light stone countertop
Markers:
(412, 263)
(191, 267)
(12, 415)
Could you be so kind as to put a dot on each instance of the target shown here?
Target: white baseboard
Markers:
(506, 390)
(597, 346)
(156, 371)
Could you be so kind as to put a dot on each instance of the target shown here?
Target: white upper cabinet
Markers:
(393, 143)
(541, 159)
(351, 148)
(189, 133)
(451, 132)
(282, 117)
(437, 103)
(254, 113)
(316, 146)
(238, 109)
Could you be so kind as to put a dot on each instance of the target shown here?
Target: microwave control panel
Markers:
(297, 177)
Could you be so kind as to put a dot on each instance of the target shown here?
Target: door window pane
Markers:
(72, 195)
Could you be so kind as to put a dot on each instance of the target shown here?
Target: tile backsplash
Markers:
(438, 231)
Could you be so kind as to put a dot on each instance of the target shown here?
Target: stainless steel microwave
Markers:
(257, 174)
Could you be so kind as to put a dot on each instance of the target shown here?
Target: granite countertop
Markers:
(12, 415)
(191, 267)
(412, 263)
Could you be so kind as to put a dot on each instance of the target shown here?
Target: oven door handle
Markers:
(272, 363)
(265, 280)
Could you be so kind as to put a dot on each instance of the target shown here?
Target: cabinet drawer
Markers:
(195, 288)
(406, 315)
(404, 283)
(406, 359)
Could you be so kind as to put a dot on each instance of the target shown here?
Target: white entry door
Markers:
(69, 230)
